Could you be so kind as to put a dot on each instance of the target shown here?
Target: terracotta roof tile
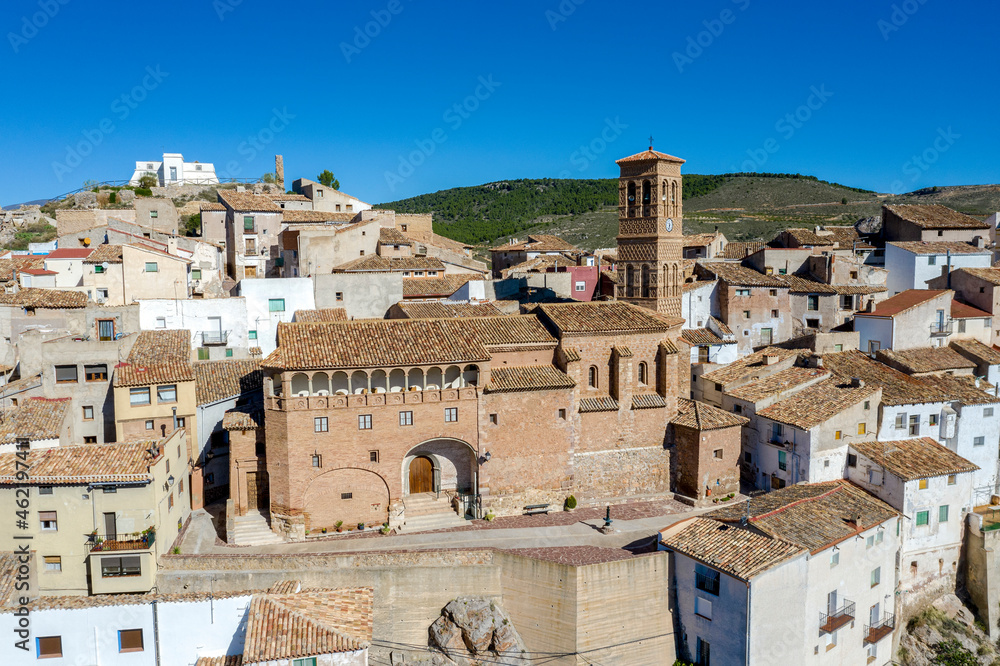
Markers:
(441, 309)
(924, 359)
(393, 236)
(858, 289)
(817, 404)
(936, 216)
(897, 388)
(322, 314)
(35, 419)
(247, 202)
(69, 253)
(291, 216)
(738, 276)
(828, 236)
(226, 660)
(603, 403)
(963, 389)
(741, 250)
(527, 378)
(648, 400)
(702, 416)
(798, 284)
(157, 357)
(912, 459)
(966, 311)
(287, 197)
(438, 287)
(604, 317)
(86, 463)
(977, 351)
(538, 243)
(785, 381)
(19, 263)
(738, 551)
(248, 417)
(212, 205)
(903, 301)
(228, 378)
(991, 275)
(704, 336)
(377, 263)
(45, 298)
(648, 155)
(746, 366)
(939, 247)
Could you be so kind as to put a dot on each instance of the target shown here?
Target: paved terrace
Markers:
(636, 524)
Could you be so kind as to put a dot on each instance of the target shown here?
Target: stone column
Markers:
(279, 172)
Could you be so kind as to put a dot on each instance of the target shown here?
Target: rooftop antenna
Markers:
(746, 511)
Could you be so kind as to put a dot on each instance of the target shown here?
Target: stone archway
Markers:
(349, 494)
(453, 463)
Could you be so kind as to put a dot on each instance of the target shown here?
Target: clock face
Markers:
(670, 224)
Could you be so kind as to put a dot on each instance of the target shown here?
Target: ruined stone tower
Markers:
(650, 236)
(279, 172)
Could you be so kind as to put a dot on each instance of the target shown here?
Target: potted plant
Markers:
(385, 528)
(361, 527)
(323, 530)
(570, 503)
(339, 526)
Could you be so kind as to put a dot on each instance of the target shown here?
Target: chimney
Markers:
(279, 172)
(979, 242)
(771, 359)
(817, 230)
(857, 382)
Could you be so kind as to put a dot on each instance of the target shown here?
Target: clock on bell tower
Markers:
(650, 231)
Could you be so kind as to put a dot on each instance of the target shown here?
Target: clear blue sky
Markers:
(897, 80)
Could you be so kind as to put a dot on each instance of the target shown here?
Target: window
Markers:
(846, 302)
(742, 292)
(112, 567)
(493, 419)
(98, 268)
(90, 439)
(934, 419)
(837, 435)
(900, 421)
(346, 496)
(703, 607)
(782, 461)
(252, 335)
(276, 305)
(48, 521)
(943, 513)
(988, 411)
(170, 501)
(562, 414)
(961, 326)
(746, 314)
(248, 223)
(373, 456)
(782, 271)
(229, 353)
(49, 646)
(834, 558)
(95, 373)
(870, 541)
(812, 323)
(451, 414)
(153, 213)
(852, 460)
(53, 564)
(130, 640)
(592, 376)
(923, 518)
(65, 374)
(166, 393)
(838, 348)
(643, 374)
(44, 490)
(364, 422)
(773, 292)
(747, 457)
(706, 579)
(931, 260)
(138, 396)
(952, 479)
(109, 490)
(737, 409)
(876, 576)
(161, 322)
(776, 432)
(152, 267)
(862, 428)
(879, 536)
(978, 441)
(88, 412)
(308, 661)
(580, 286)
(150, 424)
(703, 653)
(339, 296)
(321, 424)
(922, 484)
(812, 302)
(317, 460)
(406, 418)
(915, 424)
(250, 246)
(195, 273)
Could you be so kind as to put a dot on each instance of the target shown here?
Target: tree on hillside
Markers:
(327, 178)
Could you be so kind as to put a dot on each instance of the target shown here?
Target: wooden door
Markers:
(251, 491)
(110, 527)
(421, 475)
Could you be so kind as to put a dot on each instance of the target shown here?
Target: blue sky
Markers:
(891, 95)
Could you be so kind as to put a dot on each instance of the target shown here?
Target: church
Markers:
(364, 421)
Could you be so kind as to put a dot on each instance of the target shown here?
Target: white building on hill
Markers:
(173, 170)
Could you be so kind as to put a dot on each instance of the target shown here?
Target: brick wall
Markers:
(623, 473)
(699, 473)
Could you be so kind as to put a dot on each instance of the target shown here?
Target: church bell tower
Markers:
(650, 236)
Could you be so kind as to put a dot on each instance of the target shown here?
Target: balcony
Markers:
(214, 337)
(102, 543)
(830, 622)
(876, 632)
(941, 329)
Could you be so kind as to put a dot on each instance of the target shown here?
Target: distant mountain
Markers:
(36, 202)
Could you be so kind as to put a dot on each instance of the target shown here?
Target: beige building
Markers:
(328, 199)
(253, 227)
(124, 274)
(931, 223)
(100, 516)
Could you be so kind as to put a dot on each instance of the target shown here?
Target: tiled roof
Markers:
(38, 271)
(322, 314)
(35, 419)
(307, 624)
(741, 249)
(738, 276)
(438, 287)
(540, 264)
(991, 275)
(702, 416)
(798, 284)
(19, 262)
(817, 403)
(781, 382)
(700, 240)
(248, 202)
(86, 463)
(244, 417)
(374, 262)
(858, 289)
(836, 236)
(604, 317)
(697, 284)
(704, 336)
(528, 378)
(538, 243)
(912, 459)
(963, 388)
(738, 551)
(746, 366)
(966, 311)
(814, 516)
(45, 298)
(897, 388)
(978, 351)
(668, 346)
(508, 330)
(393, 236)
(939, 247)
(903, 301)
(604, 403)
(936, 216)
(648, 155)
(157, 357)
(648, 400)
(292, 216)
(69, 253)
(288, 197)
(440, 309)
(212, 205)
(623, 351)
(228, 378)
(924, 359)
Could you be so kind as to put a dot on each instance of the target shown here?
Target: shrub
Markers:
(112, 198)
(489, 517)
(571, 502)
(148, 180)
(143, 192)
(176, 550)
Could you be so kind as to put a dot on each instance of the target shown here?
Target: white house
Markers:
(271, 301)
(715, 343)
(699, 302)
(173, 170)
(218, 326)
(913, 318)
(912, 263)
(67, 264)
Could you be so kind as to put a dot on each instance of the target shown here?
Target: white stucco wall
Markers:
(697, 305)
(193, 315)
(873, 328)
(298, 295)
(912, 271)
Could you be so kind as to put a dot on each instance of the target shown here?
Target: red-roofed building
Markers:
(913, 318)
(978, 287)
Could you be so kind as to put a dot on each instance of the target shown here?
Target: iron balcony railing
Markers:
(830, 622)
(214, 337)
(876, 632)
(103, 543)
(941, 328)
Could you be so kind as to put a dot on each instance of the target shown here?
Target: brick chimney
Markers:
(279, 172)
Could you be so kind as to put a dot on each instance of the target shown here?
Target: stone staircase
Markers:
(252, 530)
(423, 513)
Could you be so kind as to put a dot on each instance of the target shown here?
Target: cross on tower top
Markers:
(650, 141)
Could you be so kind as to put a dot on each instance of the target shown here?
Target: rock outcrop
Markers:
(474, 632)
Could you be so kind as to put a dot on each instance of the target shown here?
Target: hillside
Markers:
(742, 206)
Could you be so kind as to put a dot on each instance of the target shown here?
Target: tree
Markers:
(149, 180)
(327, 178)
(267, 178)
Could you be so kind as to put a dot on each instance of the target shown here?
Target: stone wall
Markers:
(621, 473)
(982, 579)
(699, 473)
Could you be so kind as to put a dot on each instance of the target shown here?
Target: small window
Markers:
(49, 646)
(742, 292)
(339, 297)
(782, 271)
(138, 396)
(922, 484)
(109, 490)
(643, 374)
(44, 490)
(154, 214)
(812, 302)
(321, 424)
(451, 414)
(276, 305)
(53, 563)
(229, 353)
(737, 409)
(96, 373)
(943, 514)
(812, 323)
(150, 424)
(774, 314)
(952, 479)
(308, 661)
(364, 422)
(746, 314)
(876, 576)
(592, 376)
(862, 428)
(90, 439)
(978, 441)
(373, 456)
(317, 460)
(112, 567)
(98, 268)
(579, 286)
(923, 518)
(747, 457)
(834, 558)
(933, 420)
(562, 414)
(782, 461)
(915, 425)
(406, 418)
(703, 607)
(900, 421)
(870, 541)
(852, 460)
(130, 640)
(988, 412)
(837, 435)
(66, 374)
(48, 520)
(773, 292)
(252, 335)
(152, 267)
(195, 273)
(868, 405)
(88, 412)
(931, 260)
(493, 419)
(346, 496)
(166, 393)
(717, 454)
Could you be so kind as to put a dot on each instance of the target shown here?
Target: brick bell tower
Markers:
(650, 236)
